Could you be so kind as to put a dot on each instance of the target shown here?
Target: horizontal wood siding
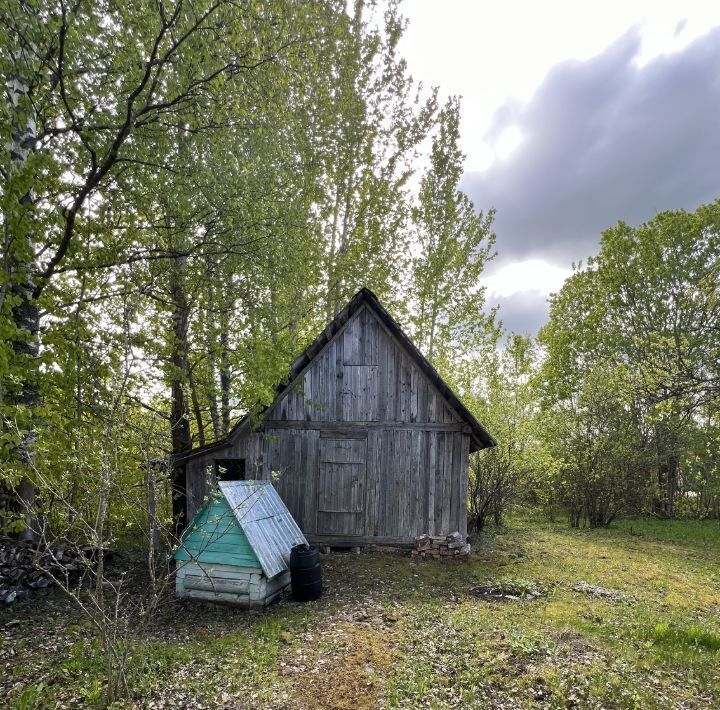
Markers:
(228, 584)
(214, 536)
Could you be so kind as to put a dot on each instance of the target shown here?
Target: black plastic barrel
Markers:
(305, 575)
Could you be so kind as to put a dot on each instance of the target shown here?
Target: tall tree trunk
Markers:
(75, 483)
(179, 421)
(226, 308)
(212, 396)
(197, 412)
(21, 269)
(672, 481)
(497, 516)
(153, 524)
(27, 320)
(225, 379)
(207, 327)
(330, 296)
(658, 502)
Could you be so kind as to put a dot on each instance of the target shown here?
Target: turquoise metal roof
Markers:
(215, 537)
(266, 522)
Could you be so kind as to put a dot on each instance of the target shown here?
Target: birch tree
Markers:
(95, 90)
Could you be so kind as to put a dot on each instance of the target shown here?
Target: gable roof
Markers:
(480, 438)
(267, 523)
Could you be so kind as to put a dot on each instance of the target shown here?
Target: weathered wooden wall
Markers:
(361, 446)
(200, 474)
(229, 584)
(363, 375)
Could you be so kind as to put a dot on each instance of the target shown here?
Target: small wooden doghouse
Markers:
(365, 442)
(237, 547)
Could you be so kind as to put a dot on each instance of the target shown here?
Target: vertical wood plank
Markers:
(297, 482)
(382, 374)
(424, 483)
(447, 484)
(373, 334)
(403, 479)
(319, 370)
(346, 338)
(404, 412)
(397, 478)
(361, 354)
(302, 478)
(291, 401)
(340, 369)
(464, 456)
(323, 414)
(410, 489)
(371, 394)
(387, 484)
(369, 504)
(348, 386)
(362, 394)
(310, 391)
(422, 400)
(431, 407)
(415, 484)
(431, 474)
(332, 388)
(311, 481)
(439, 487)
(402, 476)
(391, 383)
(455, 483)
(414, 383)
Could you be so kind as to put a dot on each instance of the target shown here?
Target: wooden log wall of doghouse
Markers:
(365, 444)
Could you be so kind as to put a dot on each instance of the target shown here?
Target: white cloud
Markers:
(604, 140)
(491, 52)
(500, 57)
(507, 142)
(533, 275)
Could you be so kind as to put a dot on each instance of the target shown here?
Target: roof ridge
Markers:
(481, 437)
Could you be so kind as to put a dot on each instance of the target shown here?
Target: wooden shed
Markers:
(365, 443)
(237, 547)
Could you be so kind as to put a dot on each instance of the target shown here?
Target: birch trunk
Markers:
(25, 313)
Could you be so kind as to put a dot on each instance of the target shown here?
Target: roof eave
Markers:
(479, 435)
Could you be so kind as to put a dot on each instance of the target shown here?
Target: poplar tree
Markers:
(454, 243)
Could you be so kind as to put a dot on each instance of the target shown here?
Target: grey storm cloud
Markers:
(523, 312)
(605, 140)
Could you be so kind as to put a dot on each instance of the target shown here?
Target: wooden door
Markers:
(341, 487)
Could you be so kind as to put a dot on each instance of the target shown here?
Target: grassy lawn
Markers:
(392, 632)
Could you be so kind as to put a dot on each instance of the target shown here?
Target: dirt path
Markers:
(342, 664)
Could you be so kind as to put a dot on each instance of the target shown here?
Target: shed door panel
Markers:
(341, 487)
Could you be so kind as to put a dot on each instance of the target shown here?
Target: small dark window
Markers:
(230, 469)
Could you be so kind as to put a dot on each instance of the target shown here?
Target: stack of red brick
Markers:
(435, 548)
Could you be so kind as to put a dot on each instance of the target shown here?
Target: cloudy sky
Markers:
(575, 115)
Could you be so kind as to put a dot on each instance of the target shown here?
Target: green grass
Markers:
(693, 636)
(701, 534)
(407, 634)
